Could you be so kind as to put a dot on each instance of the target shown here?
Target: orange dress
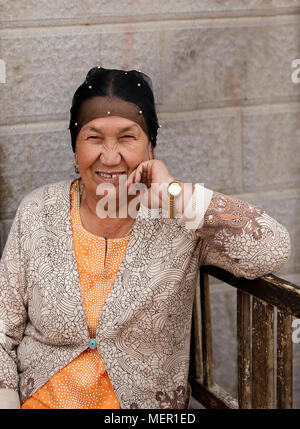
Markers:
(84, 382)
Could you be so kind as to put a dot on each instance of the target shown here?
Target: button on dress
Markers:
(84, 382)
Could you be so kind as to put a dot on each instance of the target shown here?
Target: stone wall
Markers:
(221, 72)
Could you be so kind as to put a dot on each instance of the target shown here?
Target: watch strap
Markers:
(172, 200)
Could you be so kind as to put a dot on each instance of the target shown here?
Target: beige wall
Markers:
(222, 79)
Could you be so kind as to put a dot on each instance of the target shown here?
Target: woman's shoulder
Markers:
(48, 193)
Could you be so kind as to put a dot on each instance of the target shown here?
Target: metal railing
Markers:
(256, 359)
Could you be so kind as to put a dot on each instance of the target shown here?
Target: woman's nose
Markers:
(110, 157)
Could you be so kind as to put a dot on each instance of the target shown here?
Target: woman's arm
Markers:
(238, 237)
(13, 314)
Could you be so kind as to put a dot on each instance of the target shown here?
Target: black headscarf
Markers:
(130, 86)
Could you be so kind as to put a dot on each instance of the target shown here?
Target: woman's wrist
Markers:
(181, 201)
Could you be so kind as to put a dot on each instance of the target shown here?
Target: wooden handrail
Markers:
(255, 337)
(269, 288)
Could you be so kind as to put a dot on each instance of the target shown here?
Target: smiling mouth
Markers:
(109, 176)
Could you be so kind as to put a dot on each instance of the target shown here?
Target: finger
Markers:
(149, 174)
(130, 178)
(137, 175)
(144, 176)
(141, 172)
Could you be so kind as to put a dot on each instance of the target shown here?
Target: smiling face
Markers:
(110, 145)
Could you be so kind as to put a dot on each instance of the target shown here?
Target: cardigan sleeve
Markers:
(236, 235)
(13, 314)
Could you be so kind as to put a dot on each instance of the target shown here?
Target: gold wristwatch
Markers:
(174, 189)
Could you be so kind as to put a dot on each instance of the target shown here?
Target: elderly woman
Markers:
(95, 311)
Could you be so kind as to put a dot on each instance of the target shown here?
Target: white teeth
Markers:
(109, 175)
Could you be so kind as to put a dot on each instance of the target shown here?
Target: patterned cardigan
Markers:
(143, 334)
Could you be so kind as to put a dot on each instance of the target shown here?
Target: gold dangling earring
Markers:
(76, 169)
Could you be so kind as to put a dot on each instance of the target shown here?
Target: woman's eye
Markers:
(93, 137)
(127, 136)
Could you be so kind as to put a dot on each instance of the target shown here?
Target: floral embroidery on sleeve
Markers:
(174, 400)
(243, 239)
(226, 217)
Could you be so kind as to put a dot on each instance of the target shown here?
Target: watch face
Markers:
(174, 189)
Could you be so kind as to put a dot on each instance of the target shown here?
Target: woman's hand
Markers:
(148, 172)
(152, 172)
